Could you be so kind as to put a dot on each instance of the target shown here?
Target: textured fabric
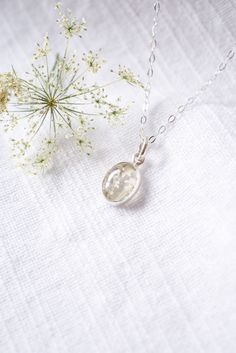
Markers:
(80, 276)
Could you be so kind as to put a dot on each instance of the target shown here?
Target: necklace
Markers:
(122, 181)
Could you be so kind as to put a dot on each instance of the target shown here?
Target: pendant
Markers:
(121, 183)
(123, 180)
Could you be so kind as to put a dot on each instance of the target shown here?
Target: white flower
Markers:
(19, 147)
(43, 159)
(69, 24)
(39, 162)
(71, 65)
(127, 75)
(83, 143)
(93, 61)
(43, 49)
(11, 122)
(115, 113)
(10, 82)
(56, 101)
(9, 85)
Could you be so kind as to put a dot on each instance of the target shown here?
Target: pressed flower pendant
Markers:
(122, 181)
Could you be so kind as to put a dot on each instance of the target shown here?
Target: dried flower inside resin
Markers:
(57, 100)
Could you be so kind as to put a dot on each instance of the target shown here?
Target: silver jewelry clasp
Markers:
(139, 156)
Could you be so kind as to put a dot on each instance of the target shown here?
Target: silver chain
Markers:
(190, 101)
(152, 59)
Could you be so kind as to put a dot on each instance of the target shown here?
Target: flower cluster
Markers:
(69, 24)
(9, 86)
(42, 50)
(93, 61)
(127, 75)
(57, 100)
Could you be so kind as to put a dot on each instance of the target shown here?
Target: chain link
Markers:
(152, 59)
(191, 100)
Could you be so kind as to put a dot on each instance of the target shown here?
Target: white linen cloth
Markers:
(80, 276)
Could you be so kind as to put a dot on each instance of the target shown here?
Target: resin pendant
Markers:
(122, 181)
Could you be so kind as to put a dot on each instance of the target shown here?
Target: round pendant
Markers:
(121, 183)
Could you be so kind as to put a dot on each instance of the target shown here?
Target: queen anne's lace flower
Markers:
(114, 113)
(127, 75)
(9, 85)
(69, 24)
(83, 143)
(43, 49)
(41, 161)
(57, 101)
(93, 61)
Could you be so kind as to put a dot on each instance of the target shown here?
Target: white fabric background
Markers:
(80, 276)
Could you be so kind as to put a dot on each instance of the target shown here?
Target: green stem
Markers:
(79, 112)
(54, 123)
(72, 81)
(41, 80)
(58, 112)
(43, 117)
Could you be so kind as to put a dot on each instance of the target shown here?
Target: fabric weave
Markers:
(80, 276)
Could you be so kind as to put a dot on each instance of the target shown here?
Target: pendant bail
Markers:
(139, 156)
